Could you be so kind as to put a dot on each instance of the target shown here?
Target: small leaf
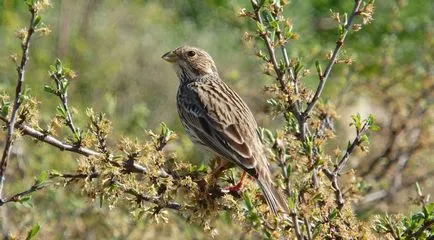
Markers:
(43, 176)
(4, 109)
(25, 201)
(59, 67)
(289, 170)
(260, 27)
(37, 21)
(60, 112)
(374, 128)
(33, 232)
(318, 68)
(333, 214)
(248, 202)
(364, 138)
(356, 121)
(49, 89)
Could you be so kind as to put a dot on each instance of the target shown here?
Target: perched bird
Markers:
(215, 116)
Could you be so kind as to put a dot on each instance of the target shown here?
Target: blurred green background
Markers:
(116, 46)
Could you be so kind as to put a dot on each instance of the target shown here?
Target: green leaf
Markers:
(248, 202)
(49, 89)
(298, 67)
(333, 214)
(64, 86)
(25, 201)
(29, 3)
(60, 112)
(59, 67)
(374, 128)
(269, 135)
(43, 176)
(52, 69)
(289, 170)
(37, 21)
(5, 108)
(318, 68)
(260, 28)
(357, 122)
(364, 138)
(33, 232)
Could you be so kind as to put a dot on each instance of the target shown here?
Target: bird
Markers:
(216, 118)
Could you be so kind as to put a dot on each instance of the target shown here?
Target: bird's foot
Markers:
(238, 186)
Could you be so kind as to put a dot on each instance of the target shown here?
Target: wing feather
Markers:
(223, 136)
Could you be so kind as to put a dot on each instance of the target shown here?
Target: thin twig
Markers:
(26, 130)
(270, 48)
(18, 196)
(295, 109)
(308, 228)
(17, 101)
(296, 226)
(333, 175)
(324, 76)
(290, 70)
(64, 100)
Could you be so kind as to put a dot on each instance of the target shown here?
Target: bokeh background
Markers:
(115, 47)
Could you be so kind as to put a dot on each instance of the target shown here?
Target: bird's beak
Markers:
(170, 57)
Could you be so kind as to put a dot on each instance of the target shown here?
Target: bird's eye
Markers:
(191, 53)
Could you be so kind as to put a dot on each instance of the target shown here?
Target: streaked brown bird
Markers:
(215, 116)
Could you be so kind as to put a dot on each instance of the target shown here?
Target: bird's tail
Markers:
(274, 198)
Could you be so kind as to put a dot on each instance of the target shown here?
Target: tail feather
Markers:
(274, 198)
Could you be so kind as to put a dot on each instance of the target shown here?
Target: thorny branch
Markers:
(17, 101)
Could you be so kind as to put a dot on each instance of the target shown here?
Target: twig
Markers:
(17, 101)
(281, 159)
(296, 226)
(270, 48)
(17, 197)
(63, 96)
(333, 175)
(295, 109)
(290, 70)
(26, 130)
(139, 197)
(324, 76)
(154, 200)
(308, 228)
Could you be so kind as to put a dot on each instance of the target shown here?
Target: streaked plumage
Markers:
(216, 117)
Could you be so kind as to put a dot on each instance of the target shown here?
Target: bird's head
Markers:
(190, 63)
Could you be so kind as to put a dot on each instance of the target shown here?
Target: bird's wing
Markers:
(217, 123)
